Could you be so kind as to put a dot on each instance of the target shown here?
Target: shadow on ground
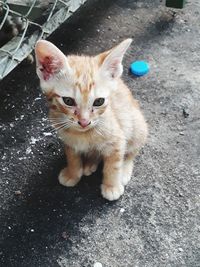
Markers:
(156, 222)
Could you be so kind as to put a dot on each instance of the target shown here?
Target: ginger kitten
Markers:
(94, 112)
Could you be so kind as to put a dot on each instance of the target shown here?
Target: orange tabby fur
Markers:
(116, 130)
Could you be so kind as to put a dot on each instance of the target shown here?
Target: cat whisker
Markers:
(57, 123)
(60, 120)
(98, 131)
(59, 128)
(56, 126)
(66, 126)
(104, 131)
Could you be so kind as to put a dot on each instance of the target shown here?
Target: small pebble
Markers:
(47, 134)
(18, 192)
(28, 150)
(185, 113)
(65, 235)
(98, 264)
(33, 140)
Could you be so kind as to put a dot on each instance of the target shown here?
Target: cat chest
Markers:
(80, 144)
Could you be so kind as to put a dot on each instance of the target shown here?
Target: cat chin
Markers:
(83, 129)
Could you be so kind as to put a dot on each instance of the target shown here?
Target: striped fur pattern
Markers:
(94, 113)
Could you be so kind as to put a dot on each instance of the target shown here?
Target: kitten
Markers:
(94, 112)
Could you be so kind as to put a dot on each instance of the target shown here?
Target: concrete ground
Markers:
(157, 222)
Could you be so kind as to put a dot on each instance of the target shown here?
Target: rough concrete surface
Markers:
(156, 222)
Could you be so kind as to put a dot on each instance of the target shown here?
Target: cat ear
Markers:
(50, 60)
(112, 60)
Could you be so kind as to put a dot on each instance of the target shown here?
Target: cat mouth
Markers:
(85, 129)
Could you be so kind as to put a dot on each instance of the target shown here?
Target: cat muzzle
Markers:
(84, 123)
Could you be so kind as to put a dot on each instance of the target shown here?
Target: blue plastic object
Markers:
(139, 68)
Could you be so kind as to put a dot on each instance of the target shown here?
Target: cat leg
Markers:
(112, 187)
(90, 163)
(128, 165)
(133, 148)
(71, 174)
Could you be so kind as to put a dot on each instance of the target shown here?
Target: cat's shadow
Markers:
(47, 214)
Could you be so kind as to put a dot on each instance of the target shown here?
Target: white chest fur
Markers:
(85, 144)
(80, 144)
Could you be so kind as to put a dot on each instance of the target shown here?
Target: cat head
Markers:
(78, 87)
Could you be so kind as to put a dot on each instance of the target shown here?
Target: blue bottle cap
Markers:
(139, 68)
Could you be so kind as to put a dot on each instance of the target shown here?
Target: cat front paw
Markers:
(127, 173)
(126, 177)
(110, 192)
(89, 169)
(67, 179)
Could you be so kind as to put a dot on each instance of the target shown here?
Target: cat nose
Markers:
(84, 123)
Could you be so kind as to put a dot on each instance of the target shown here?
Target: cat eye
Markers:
(69, 101)
(99, 102)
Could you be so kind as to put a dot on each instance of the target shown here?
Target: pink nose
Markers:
(84, 123)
